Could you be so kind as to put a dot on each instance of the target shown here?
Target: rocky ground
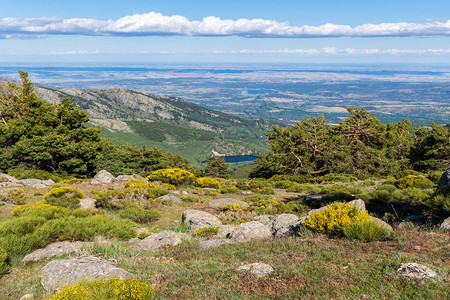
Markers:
(247, 255)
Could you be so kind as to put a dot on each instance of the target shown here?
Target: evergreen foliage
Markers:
(361, 145)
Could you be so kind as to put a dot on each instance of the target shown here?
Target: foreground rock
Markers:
(358, 203)
(284, 225)
(87, 203)
(265, 219)
(35, 183)
(59, 273)
(256, 269)
(172, 198)
(250, 231)
(157, 240)
(204, 245)
(416, 271)
(444, 180)
(7, 178)
(226, 201)
(102, 177)
(197, 219)
(55, 249)
(446, 224)
(382, 224)
(225, 231)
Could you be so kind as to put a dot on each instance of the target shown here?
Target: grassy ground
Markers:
(312, 266)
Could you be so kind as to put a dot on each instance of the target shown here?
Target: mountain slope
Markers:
(167, 122)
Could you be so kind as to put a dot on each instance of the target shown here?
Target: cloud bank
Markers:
(154, 24)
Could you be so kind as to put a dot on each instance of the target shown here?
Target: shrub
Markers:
(387, 187)
(335, 218)
(74, 180)
(3, 261)
(174, 176)
(334, 177)
(38, 174)
(206, 231)
(189, 199)
(340, 188)
(412, 193)
(414, 181)
(234, 207)
(266, 191)
(439, 203)
(435, 176)
(64, 196)
(401, 174)
(113, 199)
(38, 209)
(365, 231)
(109, 288)
(298, 188)
(229, 189)
(283, 184)
(15, 196)
(139, 215)
(207, 182)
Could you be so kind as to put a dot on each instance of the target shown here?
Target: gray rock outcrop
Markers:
(250, 231)
(102, 177)
(444, 180)
(7, 178)
(358, 203)
(157, 240)
(225, 230)
(257, 269)
(416, 271)
(382, 223)
(284, 225)
(197, 219)
(265, 219)
(87, 203)
(226, 201)
(65, 272)
(55, 249)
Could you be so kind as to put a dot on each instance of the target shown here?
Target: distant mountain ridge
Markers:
(167, 122)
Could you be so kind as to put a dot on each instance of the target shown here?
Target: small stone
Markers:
(27, 297)
(250, 231)
(246, 192)
(55, 249)
(87, 203)
(446, 224)
(197, 219)
(225, 231)
(416, 271)
(214, 243)
(174, 199)
(157, 240)
(7, 178)
(226, 201)
(444, 180)
(257, 269)
(102, 177)
(142, 230)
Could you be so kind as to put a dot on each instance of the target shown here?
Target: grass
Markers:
(313, 266)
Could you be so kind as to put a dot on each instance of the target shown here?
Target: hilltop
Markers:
(170, 123)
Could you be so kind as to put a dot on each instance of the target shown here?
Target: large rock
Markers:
(283, 225)
(102, 177)
(55, 249)
(169, 197)
(250, 231)
(87, 203)
(225, 231)
(197, 219)
(265, 219)
(226, 201)
(157, 240)
(7, 178)
(256, 269)
(214, 243)
(444, 180)
(446, 224)
(416, 271)
(358, 203)
(382, 223)
(36, 183)
(125, 178)
(60, 273)
(416, 220)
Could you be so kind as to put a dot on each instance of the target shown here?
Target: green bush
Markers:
(15, 196)
(3, 261)
(401, 174)
(283, 184)
(414, 181)
(64, 196)
(174, 176)
(387, 187)
(38, 174)
(266, 191)
(229, 189)
(140, 215)
(435, 176)
(439, 203)
(108, 288)
(365, 231)
(335, 177)
(206, 231)
(207, 182)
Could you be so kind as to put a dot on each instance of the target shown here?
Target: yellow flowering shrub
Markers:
(74, 180)
(234, 207)
(207, 182)
(206, 231)
(264, 203)
(3, 261)
(138, 184)
(110, 288)
(335, 218)
(15, 196)
(174, 176)
(64, 196)
(38, 208)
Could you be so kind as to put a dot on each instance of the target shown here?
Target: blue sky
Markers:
(225, 31)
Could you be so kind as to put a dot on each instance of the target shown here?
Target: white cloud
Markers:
(153, 23)
(73, 52)
(336, 51)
